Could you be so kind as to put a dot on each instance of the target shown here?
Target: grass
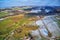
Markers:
(12, 23)
(2, 14)
(58, 21)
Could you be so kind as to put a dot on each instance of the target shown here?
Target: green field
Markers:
(3, 14)
(10, 24)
